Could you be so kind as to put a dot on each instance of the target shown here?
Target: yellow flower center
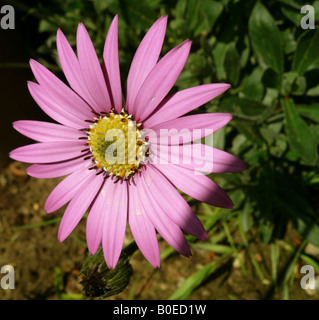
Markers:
(116, 144)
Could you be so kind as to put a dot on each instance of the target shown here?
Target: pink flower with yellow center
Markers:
(137, 189)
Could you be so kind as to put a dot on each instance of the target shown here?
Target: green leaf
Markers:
(309, 230)
(140, 15)
(245, 53)
(315, 133)
(208, 14)
(271, 132)
(288, 41)
(265, 39)
(266, 230)
(306, 56)
(299, 86)
(271, 97)
(232, 67)
(316, 8)
(313, 92)
(288, 80)
(309, 111)
(299, 135)
(245, 216)
(271, 79)
(252, 85)
(292, 15)
(196, 279)
(242, 106)
(180, 9)
(219, 54)
(201, 15)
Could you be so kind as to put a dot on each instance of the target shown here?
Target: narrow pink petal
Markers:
(162, 223)
(142, 229)
(160, 81)
(94, 223)
(79, 204)
(188, 128)
(60, 92)
(169, 199)
(91, 69)
(183, 102)
(55, 111)
(55, 170)
(197, 186)
(114, 224)
(145, 59)
(199, 157)
(66, 189)
(111, 67)
(72, 71)
(46, 131)
(47, 152)
(224, 162)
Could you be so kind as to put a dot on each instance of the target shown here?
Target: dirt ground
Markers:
(48, 269)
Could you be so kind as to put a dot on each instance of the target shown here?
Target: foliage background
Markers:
(273, 66)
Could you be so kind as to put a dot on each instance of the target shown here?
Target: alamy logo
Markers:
(8, 280)
(308, 20)
(7, 17)
(308, 281)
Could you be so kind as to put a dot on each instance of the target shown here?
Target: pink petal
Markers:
(183, 102)
(114, 224)
(188, 128)
(111, 65)
(142, 229)
(66, 189)
(197, 186)
(79, 204)
(72, 71)
(162, 223)
(47, 152)
(91, 70)
(199, 157)
(145, 59)
(46, 131)
(55, 170)
(224, 161)
(54, 110)
(173, 203)
(94, 222)
(160, 81)
(60, 93)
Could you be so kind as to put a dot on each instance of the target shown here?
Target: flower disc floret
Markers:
(116, 144)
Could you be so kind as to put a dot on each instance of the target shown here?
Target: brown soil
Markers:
(46, 268)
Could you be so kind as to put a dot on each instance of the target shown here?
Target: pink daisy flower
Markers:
(138, 191)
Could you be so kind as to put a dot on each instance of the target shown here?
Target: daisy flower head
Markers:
(112, 152)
